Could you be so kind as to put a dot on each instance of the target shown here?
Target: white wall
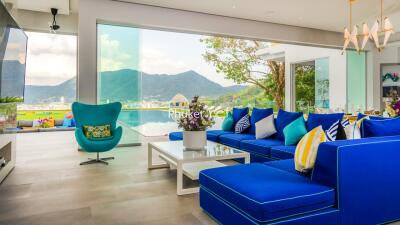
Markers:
(337, 70)
(93, 11)
(391, 54)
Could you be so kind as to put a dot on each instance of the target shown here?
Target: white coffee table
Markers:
(191, 162)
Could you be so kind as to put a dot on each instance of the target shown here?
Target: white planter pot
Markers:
(194, 140)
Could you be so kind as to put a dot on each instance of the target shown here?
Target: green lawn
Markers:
(41, 114)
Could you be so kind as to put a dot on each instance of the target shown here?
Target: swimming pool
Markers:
(153, 122)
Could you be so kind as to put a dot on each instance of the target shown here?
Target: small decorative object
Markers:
(195, 124)
(393, 76)
(392, 108)
(46, 123)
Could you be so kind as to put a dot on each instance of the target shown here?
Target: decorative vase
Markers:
(194, 140)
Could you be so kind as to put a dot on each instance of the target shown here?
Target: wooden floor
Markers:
(48, 187)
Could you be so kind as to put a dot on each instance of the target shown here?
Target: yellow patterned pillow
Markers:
(101, 131)
(306, 150)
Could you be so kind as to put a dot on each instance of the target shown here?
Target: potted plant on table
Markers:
(194, 124)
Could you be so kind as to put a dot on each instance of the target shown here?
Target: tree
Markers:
(305, 84)
(238, 60)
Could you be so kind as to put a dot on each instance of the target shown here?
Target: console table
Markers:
(7, 150)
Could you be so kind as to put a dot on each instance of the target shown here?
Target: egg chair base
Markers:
(97, 160)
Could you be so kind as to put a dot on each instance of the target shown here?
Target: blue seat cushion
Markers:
(234, 140)
(257, 115)
(175, 136)
(212, 135)
(326, 120)
(260, 146)
(283, 152)
(265, 193)
(286, 165)
(282, 120)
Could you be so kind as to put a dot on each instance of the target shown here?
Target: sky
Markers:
(150, 51)
(51, 59)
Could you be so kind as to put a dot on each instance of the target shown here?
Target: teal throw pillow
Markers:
(227, 124)
(294, 131)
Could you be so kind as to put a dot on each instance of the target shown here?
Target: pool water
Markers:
(153, 122)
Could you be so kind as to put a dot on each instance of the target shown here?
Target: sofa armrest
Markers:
(368, 182)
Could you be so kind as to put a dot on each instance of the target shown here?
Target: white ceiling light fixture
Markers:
(384, 30)
(352, 35)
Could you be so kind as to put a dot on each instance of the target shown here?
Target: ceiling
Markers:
(320, 14)
(64, 6)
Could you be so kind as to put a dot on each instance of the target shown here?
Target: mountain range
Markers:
(122, 85)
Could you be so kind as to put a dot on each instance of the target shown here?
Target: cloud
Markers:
(113, 56)
(51, 58)
(154, 61)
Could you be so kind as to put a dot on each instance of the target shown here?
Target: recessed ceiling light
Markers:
(234, 7)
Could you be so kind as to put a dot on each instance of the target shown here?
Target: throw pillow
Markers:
(380, 128)
(283, 119)
(257, 115)
(345, 123)
(238, 114)
(36, 123)
(352, 131)
(67, 122)
(341, 133)
(227, 124)
(265, 127)
(306, 151)
(336, 132)
(100, 131)
(326, 120)
(242, 125)
(295, 131)
(332, 131)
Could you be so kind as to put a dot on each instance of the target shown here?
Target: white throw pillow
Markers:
(352, 131)
(35, 123)
(265, 127)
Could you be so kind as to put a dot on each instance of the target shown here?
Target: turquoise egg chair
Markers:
(95, 115)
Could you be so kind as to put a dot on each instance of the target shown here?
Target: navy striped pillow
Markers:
(345, 123)
(242, 124)
(332, 131)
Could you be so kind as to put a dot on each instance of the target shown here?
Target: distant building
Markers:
(179, 101)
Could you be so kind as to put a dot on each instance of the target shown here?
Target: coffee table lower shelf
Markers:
(189, 168)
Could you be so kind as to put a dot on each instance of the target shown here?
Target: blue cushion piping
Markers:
(251, 217)
(279, 200)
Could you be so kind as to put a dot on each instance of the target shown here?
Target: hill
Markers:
(122, 85)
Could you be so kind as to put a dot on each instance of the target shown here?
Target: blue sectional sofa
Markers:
(273, 148)
(261, 150)
(353, 182)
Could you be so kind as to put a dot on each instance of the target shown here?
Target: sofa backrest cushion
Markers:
(283, 119)
(257, 115)
(361, 115)
(325, 120)
(238, 113)
(380, 128)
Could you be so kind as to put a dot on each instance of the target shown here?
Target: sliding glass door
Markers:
(311, 84)
(118, 76)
